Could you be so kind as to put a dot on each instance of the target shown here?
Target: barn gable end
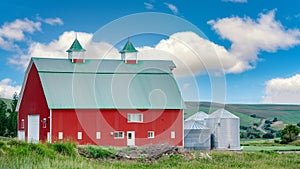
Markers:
(33, 102)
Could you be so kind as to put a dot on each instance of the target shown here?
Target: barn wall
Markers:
(106, 121)
(34, 102)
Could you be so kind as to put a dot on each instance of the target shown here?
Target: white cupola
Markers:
(129, 53)
(76, 52)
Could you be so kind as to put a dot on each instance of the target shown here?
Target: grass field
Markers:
(64, 156)
(271, 148)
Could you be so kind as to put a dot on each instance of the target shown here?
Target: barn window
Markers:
(118, 134)
(150, 134)
(22, 124)
(60, 135)
(98, 135)
(135, 118)
(172, 134)
(79, 135)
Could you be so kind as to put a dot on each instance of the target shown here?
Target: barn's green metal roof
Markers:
(108, 84)
(128, 47)
(103, 66)
(76, 46)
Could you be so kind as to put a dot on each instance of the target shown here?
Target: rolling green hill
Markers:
(289, 114)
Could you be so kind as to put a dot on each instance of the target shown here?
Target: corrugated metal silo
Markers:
(196, 135)
(225, 129)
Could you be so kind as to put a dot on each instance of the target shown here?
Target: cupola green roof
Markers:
(128, 47)
(76, 46)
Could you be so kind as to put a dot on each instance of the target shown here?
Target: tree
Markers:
(13, 118)
(289, 133)
(268, 135)
(3, 118)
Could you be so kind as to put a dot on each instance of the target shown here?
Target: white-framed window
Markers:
(22, 123)
(172, 134)
(60, 135)
(137, 118)
(118, 134)
(150, 134)
(98, 135)
(79, 135)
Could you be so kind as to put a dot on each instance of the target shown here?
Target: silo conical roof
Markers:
(222, 113)
(198, 116)
(192, 124)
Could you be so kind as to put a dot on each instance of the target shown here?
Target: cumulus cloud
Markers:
(283, 90)
(8, 88)
(52, 21)
(148, 5)
(57, 49)
(15, 31)
(249, 37)
(172, 7)
(191, 54)
(235, 1)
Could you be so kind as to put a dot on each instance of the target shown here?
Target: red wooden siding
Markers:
(34, 102)
(106, 121)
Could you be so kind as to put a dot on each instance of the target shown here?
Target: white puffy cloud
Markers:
(11, 32)
(172, 7)
(249, 37)
(57, 49)
(8, 88)
(236, 1)
(191, 54)
(53, 21)
(283, 90)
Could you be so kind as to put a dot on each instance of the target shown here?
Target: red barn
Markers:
(122, 102)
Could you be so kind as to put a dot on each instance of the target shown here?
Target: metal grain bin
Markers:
(225, 129)
(196, 135)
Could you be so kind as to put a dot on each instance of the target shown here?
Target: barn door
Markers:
(33, 128)
(130, 138)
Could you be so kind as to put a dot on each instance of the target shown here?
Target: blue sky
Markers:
(258, 42)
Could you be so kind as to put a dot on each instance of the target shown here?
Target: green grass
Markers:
(272, 148)
(246, 120)
(15, 154)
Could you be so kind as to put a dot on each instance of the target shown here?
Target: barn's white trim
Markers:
(23, 85)
(50, 139)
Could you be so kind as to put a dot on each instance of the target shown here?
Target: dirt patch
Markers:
(278, 125)
(148, 153)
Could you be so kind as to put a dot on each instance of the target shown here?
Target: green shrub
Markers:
(98, 152)
(41, 149)
(15, 142)
(289, 133)
(65, 148)
(268, 135)
(2, 144)
(276, 141)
